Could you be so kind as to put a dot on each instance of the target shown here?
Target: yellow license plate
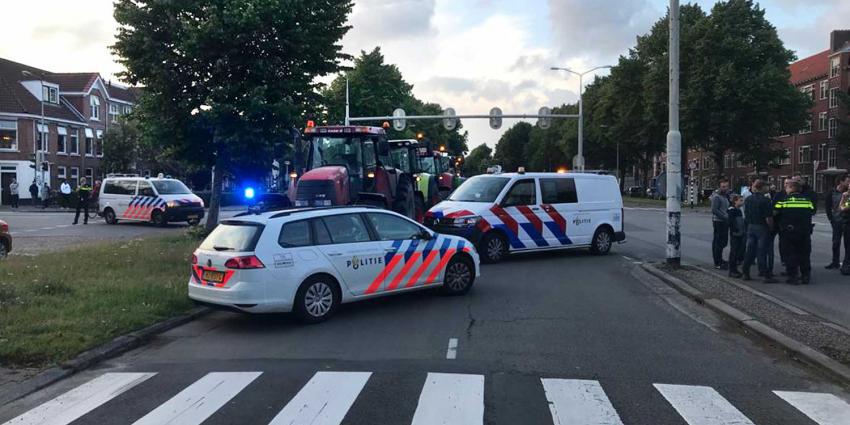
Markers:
(213, 276)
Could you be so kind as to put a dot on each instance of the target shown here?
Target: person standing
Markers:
(45, 195)
(758, 216)
(13, 191)
(838, 221)
(794, 218)
(83, 195)
(65, 194)
(34, 193)
(737, 233)
(720, 222)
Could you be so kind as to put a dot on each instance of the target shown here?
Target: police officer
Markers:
(794, 221)
(83, 195)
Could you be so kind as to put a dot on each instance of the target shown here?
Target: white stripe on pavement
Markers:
(579, 402)
(702, 405)
(451, 352)
(325, 400)
(73, 404)
(200, 400)
(451, 399)
(825, 409)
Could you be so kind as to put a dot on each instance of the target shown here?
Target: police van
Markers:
(309, 261)
(515, 212)
(156, 200)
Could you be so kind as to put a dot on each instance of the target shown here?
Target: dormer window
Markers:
(94, 101)
(50, 94)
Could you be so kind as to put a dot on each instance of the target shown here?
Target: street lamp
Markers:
(580, 109)
(39, 154)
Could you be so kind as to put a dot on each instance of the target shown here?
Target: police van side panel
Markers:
(115, 195)
(600, 206)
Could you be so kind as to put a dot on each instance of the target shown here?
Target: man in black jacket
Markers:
(840, 229)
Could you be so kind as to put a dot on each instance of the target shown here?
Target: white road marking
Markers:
(628, 258)
(702, 405)
(451, 399)
(325, 400)
(451, 352)
(200, 400)
(75, 403)
(825, 409)
(579, 402)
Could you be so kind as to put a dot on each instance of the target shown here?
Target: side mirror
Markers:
(383, 147)
(424, 235)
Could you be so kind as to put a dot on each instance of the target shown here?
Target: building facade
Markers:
(52, 125)
(812, 151)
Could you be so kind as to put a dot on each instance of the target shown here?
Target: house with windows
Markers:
(812, 151)
(52, 124)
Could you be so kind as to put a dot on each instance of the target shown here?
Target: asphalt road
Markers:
(828, 296)
(612, 344)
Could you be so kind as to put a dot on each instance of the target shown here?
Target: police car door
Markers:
(517, 212)
(560, 204)
(407, 255)
(357, 258)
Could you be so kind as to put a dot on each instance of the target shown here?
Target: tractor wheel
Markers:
(419, 203)
(404, 199)
(433, 194)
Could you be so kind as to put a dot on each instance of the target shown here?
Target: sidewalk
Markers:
(34, 209)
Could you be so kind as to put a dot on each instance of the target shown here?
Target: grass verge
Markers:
(56, 305)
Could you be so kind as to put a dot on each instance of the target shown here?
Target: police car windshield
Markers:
(171, 187)
(338, 151)
(233, 236)
(480, 189)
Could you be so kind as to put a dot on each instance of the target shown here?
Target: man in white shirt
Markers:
(65, 191)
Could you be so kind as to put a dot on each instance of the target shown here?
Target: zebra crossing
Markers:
(444, 398)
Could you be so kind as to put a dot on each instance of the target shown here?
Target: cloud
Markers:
(375, 20)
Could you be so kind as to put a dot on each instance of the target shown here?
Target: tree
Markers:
(510, 149)
(121, 146)
(226, 79)
(553, 147)
(478, 160)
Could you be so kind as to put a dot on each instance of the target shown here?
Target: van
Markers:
(155, 200)
(516, 212)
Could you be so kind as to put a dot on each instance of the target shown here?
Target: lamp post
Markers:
(580, 108)
(674, 147)
(39, 154)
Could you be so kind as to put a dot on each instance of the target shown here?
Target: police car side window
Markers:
(558, 191)
(295, 234)
(347, 228)
(320, 232)
(391, 228)
(522, 193)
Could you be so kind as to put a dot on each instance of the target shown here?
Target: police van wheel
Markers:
(602, 241)
(4, 252)
(493, 247)
(317, 299)
(158, 219)
(109, 216)
(194, 222)
(460, 274)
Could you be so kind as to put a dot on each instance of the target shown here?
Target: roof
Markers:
(810, 68)
(303, 213)
(16, 99)
(77, 82)
(126, 94)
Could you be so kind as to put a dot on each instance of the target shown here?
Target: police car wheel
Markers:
(460, 274)
(602, 241)
(493, 247)
(194, 222)
(109, 216)
(317, 299)
(3, 250)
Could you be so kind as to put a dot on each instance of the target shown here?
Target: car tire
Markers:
(109, 216)
(444, 194)
(459, 276)
(317, 299)
(602, 241)
(194, 222)
(4, 251)
(404, 200)
(493, 247)
(158, 219)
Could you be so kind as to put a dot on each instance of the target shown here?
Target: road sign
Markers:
(451, 122)
(275, 169)
(545, 122)
(398, 119)
(496, 118)
(692, 165)
(578, 161)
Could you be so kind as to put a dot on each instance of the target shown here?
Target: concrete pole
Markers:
(674, 147)
(580, 125)
(347, 115)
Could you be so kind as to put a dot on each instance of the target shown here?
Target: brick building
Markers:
(78, 109)
(811, 151)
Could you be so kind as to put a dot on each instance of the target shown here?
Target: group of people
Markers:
(750, 224)
(44, 195)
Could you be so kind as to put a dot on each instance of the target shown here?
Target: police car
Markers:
(309, 261)
(515, 212)
(157, 200)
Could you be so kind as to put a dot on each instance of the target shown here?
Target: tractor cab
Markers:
(405, 155)
(439, 165)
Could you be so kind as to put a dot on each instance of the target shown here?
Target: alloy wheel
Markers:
(318, 299)
(458, 276)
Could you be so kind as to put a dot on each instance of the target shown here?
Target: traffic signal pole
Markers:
(674, 147)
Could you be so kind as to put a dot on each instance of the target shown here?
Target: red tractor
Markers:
(347, 165)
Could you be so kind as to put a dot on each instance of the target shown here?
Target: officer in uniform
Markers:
(83, 195)
(794, 221)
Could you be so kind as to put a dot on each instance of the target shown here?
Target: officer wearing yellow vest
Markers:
(83, 195)
(794, 222)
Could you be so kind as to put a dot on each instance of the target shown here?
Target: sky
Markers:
(470, 55)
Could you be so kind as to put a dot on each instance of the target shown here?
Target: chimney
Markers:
(838, 39)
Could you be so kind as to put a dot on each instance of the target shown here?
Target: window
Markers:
(727, 161)
(522, 193)
(831, 158)
(61, 140)
(320, 232)
(75, 142)
(738, 162)
(805, 156)
(480, 189)
(233, 236)
(119, 187)
(558, 191)
(9, 135)
(821, 151)
(89, 146)
(835, 65)
(90, 175)
(786, 159)
(347, 228)
(113, 112)
(807, 127)
(98, 144)
(171, 187)
(392, 228)
(819, 184)
(145, 189)
(295, 234)
(60, 172)
(50, 94)
(808, 91)
(94, 102)
(833, 98)
(75, 176)
(707, 163)
(42, 137)
(822, 121)
(128, 109)
(824, 88)
(833, 128)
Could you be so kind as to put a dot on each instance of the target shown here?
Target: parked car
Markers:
(5, 239)
(157, 200)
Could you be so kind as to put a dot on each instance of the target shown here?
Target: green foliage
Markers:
(478, 160)
(121, 146)
(511, 147)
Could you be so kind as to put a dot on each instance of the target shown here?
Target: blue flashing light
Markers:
(249, 193)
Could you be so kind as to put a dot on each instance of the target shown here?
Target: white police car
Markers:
(309, 261)
(514, 212)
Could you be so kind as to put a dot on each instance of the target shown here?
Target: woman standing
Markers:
(13, 190)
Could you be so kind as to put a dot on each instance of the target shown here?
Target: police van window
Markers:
(145, 189)
(112, 187)
(295, 234)
(558, 191)
(347, 228)
(391, 228)
(522, 193)
(320, 232)
(171, 187)
(129, 186)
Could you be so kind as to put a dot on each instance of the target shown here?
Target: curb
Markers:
(792, 345)
(95, 355)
